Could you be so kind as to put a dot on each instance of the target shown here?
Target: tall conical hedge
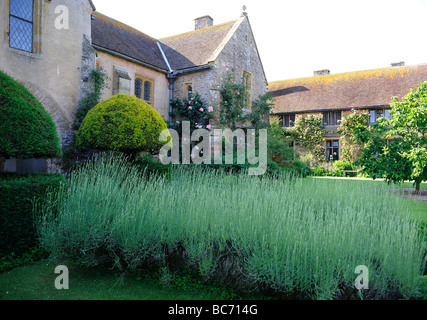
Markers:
(26, 129)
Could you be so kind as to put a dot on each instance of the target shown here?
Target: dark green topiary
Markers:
(26, 129)
(18, 196)
(122, 123)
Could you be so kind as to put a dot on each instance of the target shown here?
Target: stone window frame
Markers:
(37, 29)
(287, 120)
(145, 80)
(121, 77)
(247, 82)
(138, 88)
(375, 113)
(332, 116)
(187, 86)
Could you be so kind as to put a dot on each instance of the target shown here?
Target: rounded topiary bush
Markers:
(122, 123)
(26, 129)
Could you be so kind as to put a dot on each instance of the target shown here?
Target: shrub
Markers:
(151, 167)
(268, 234)
(122, 123)
(18, 194)
(193, 110)
(333, 169)
(423, 288)
(26, 129)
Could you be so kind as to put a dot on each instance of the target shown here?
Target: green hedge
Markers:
(26, 129)
(17, 194)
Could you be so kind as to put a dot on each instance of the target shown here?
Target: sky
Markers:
(297, 37)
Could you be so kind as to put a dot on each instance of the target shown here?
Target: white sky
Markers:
(297, 37)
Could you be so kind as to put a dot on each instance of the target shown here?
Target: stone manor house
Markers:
(54, 61)
(334, 96)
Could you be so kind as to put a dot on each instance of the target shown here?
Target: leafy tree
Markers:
(409, 121)
(396, 149)
(380, 157)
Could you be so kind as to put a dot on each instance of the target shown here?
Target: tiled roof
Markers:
(120, 38)
(194, 48)
(346, 90)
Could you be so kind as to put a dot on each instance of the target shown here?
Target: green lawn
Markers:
(417, 209)
(36, 282)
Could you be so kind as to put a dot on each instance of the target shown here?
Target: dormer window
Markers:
(21, 24)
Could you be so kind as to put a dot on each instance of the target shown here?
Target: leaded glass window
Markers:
(287, 121)
(147, 91)
(138, 88)
(332, 150)
(21, 24)
(332, 118)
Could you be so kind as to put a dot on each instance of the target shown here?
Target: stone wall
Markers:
(133, 70)
(238, 55)
(53, 71)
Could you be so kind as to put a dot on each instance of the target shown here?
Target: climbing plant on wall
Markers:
(309, 136)
(350, 128)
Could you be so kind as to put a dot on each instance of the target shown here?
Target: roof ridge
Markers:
(198, 30)
(342, 74)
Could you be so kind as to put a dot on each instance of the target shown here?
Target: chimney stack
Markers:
(203, 22)
(324, 72)
(397, 64)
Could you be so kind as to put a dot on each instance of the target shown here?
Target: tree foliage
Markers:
(409, 121)
(397, 149)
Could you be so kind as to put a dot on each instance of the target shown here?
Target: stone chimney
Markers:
(324, 72)
(203, 22)
(397, 64)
